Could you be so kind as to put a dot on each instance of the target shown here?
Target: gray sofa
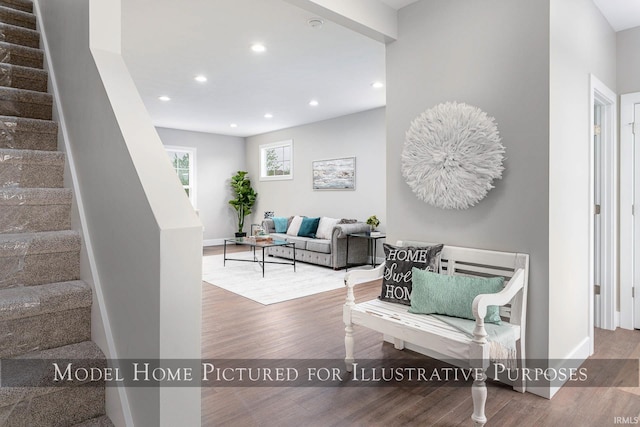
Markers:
(329, 253)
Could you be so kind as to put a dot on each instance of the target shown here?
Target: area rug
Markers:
(280, 282)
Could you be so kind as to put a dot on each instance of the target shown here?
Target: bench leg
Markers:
(398, 344)
(479, 396)
(349, 345)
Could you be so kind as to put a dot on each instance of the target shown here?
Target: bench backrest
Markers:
(485, 263)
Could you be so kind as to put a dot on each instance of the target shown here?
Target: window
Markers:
(276, 161)
(183, 160)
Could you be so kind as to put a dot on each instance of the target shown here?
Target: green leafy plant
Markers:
(244, 197)
(373, 221)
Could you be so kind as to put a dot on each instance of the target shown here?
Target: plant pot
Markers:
(243, 234)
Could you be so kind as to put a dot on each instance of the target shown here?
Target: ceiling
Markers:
(167, 43)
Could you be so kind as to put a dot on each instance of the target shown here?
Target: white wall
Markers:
(145, 237)
(582, 42)
(218, 157)
(494, 55)
(628, 61)
(361, 135)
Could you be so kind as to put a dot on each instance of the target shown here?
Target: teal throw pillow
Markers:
(309, 227)
(281, 223)
(452, 295)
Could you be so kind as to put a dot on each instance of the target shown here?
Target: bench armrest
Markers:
(482, 301)
(355, 277)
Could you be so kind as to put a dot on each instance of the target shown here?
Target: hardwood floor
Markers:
(238, 328)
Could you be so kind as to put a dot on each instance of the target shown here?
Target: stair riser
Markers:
(25, 6)
(19, 35)
(39, 269)
(23, 139)
(17, 18)
(45, 331)
(10, 55)
(9, 78)
(31, 175)
(62, 407)
(35, 218)
(11, 107)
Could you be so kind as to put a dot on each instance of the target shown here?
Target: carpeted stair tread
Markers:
(43, 317)
(39, 243)
(29, 301)
(19, 77)
(102, 421)
(31, 168)
(21, 55)
(29, 210)
(34, 196)
(29, 134)
(25, 103)
(23, 5)
(19, 35)
(28, 259)
(17, 17)
(86, 352)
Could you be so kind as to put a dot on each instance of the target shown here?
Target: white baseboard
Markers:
(213, 242)
(573, 360)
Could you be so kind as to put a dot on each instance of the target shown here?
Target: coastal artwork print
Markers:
(334, 174)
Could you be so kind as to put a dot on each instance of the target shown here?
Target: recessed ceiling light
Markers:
(200, 78)
(377, 85)
(268, 116)
(234, 125)
(164, 98)
(313, 103)
(258, 47)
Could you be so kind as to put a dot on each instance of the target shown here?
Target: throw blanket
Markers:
(501, 338)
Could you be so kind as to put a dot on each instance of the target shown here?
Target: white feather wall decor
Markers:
(452, 153)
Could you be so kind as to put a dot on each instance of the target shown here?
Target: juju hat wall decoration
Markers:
(452, 153)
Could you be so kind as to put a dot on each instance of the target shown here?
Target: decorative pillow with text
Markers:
(399, 261)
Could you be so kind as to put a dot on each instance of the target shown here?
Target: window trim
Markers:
(263, 158)
(193, 193)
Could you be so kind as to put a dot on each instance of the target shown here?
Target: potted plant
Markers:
(244, 198)
(373, 222)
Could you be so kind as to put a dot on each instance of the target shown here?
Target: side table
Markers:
(372, 242)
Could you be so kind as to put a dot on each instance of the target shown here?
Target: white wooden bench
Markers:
(434, 338)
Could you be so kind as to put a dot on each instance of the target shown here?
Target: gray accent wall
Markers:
(361, 135)
(493, 55)
(628, 60)
(218, 157)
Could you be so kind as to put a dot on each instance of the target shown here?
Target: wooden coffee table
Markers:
(254, 243)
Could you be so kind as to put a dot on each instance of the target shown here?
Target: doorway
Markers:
(603, 216)
(629, 219)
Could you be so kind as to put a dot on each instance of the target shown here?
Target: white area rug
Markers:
(280, 282)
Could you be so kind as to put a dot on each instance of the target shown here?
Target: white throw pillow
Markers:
(325, 228)
(294, 227)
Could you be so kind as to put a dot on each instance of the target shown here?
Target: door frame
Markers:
(607, 99)
(627, 103)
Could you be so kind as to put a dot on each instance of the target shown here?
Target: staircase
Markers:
(45, 311)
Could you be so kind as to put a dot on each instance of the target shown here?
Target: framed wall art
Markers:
(334, 174)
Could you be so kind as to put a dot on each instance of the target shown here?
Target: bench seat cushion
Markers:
(423, 330)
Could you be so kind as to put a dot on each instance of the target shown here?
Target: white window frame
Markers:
(263, 161)
(191, 151)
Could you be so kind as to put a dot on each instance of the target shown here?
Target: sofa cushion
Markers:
(294, 226)
(319, 245)
(280, 224)
(325, 227)
(309, 227)
(301, 242)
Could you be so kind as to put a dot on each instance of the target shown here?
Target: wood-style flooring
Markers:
(238, 328)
